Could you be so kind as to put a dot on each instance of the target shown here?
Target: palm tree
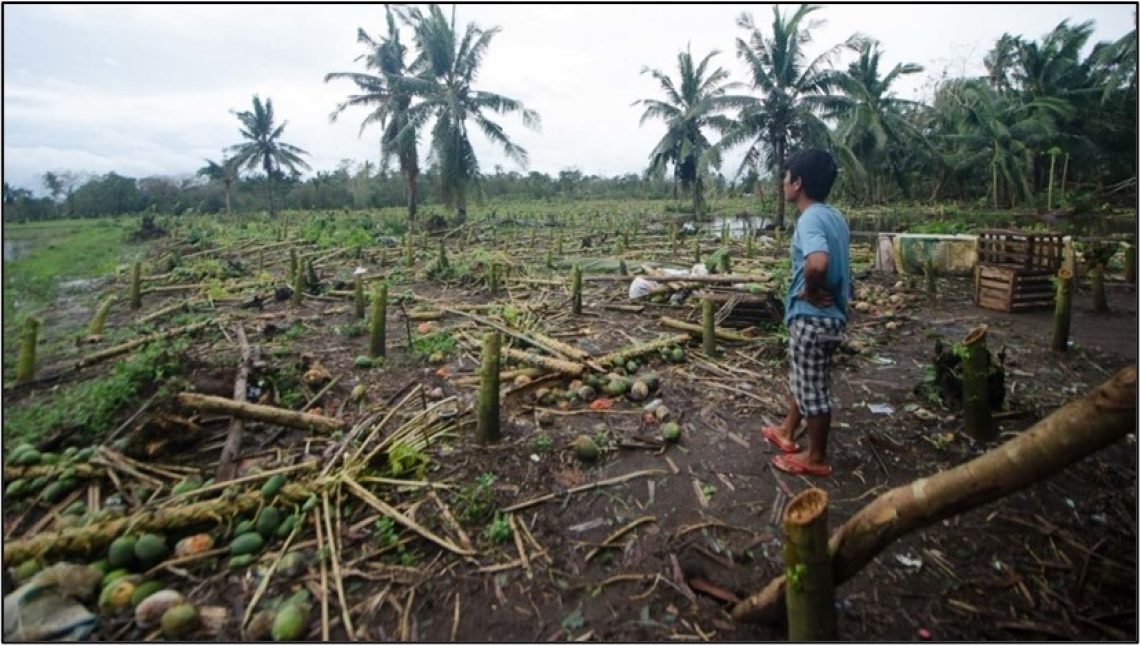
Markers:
(1002, 133)
(389, 104)
(442, 77)
(691, 104)
(790, 91)
(872, 124)
(225, 172)
(263, 147)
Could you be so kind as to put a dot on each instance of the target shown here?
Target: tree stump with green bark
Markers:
(358, 297)
(298, 287)
(136, 288)
(1062, 313)
(810, 590)
(975, 391)
(26, 363)
(708, 325)
(377, 346)
(100, 318)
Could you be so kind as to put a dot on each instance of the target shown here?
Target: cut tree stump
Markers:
(1071, 433)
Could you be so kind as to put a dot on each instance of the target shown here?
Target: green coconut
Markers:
(585, 448)
(671, 431)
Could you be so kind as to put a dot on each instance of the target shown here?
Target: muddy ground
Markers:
(1056, 561)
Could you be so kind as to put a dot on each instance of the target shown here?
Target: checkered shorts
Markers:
(811, 342)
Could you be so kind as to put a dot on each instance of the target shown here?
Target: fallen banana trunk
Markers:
(87, 540)
(78, 471)
(1070, 434)
(545, 362)
(256, 412)
(721, 333)
(118, 350)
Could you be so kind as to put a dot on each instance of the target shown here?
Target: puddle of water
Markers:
(738, 227)
(14, 249)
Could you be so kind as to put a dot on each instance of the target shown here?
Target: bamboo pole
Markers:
(487, 429)
(810, 591)
(256, 412)
(493, 279)
(546, 362)
(1062, 313)
(100, 318)
(1068, 435)
(117, 350)
(26, 364)
(708, 328)
(293, 266)
(975, 391)
(620, 356)
(696, 251)
(378, 346)
(721, 333)
(135, 290)
(298, 287)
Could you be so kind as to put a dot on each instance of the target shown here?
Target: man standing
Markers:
(815, 311)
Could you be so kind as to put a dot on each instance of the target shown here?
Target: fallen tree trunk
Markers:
(546, 362)
(226, 461)
(1071, 433)
(117, 350)
(88, 540)
(721, 333)
(255, 412)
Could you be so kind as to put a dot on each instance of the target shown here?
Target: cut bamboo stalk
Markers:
(293, 266)
(256, 412)
(425, 314)
(100, 318)
(1068, 435)
(409, 251)
(298, 287)
(493, 279)
(117, 350)
(975, 391)
(487, 429)
(135, 289)
(377, 346)
(708, 328)
(720, 332)
(1063, 311)
(810, 590)
(696, 251)
(26, 364)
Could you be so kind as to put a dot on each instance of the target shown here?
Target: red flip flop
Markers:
(769, 433)
(789, 464)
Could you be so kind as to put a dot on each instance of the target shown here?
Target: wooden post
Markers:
(298, 287)
(749, 248)
(576, 290)
(724, 234)
(487, 428)
(409, 251)
(135, 290)
(26, 364)
(358, 295)
(726, 263)
(96, 326)
(377, 346)
(975, 393)
(311, 279)
(1063, 312)
(1096, 277)
(293, 264)
(708, 324)
(493, 279)
(622, 269)
(696, 251)
(811, 591)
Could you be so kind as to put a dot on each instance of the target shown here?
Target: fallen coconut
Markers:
(260, 625)
(585, 448)
(671, 431)
(586, 393)
(662, 412)
(180, 620)
(117, 595)
(193, 545)
(149, 611)
(638, 391)
(545, 418)
(521, 380)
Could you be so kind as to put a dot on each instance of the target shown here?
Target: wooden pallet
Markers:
(1033, 251)
(1011, 288)
(748, 309)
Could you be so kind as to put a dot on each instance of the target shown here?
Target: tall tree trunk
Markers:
(229, 211)
(269, 180)
(410, 170)
(1071, 433)
(780, 172)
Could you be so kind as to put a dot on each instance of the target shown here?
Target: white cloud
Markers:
(148, 89)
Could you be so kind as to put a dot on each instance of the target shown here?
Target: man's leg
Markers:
(818, 427)
(787, 429)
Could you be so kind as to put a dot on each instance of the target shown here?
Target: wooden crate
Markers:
(1012, 289)
(1021, 249)
(750, 309)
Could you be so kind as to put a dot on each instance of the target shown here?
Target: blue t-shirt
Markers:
(821, 228)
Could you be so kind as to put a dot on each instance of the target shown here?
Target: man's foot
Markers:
(797, 464)
(774, 436)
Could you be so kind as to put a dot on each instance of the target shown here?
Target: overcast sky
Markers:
(148, 89)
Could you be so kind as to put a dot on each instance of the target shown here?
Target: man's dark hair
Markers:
(817, 170)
